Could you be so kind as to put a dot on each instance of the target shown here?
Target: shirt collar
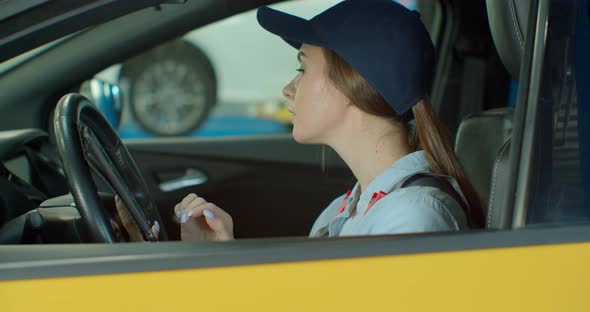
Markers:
(401, 168)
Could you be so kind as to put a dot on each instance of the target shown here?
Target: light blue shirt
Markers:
(411, 209)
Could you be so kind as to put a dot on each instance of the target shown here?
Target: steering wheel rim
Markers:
(85, 141)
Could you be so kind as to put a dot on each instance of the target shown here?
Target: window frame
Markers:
(525, 115)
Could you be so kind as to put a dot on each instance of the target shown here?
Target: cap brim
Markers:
(294, 30)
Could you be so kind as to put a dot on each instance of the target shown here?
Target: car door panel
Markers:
(271, 186)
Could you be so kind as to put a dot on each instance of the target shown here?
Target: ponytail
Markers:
(430, 135)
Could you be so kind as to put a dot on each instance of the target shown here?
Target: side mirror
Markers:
(106, 96)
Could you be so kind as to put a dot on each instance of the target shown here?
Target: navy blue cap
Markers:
(381, 39)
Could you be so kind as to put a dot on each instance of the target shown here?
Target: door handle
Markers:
(192, 177)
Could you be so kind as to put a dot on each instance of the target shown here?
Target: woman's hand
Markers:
(200, 220)
(129, 224)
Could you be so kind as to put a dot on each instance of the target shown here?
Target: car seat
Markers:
(483, 139)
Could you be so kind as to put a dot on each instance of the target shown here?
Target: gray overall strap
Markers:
(423, 179)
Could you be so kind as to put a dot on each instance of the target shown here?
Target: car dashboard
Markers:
(35, 206)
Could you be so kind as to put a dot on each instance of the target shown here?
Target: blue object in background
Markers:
(215, 126)
(107, 98)
(512, 93)
(410, 4)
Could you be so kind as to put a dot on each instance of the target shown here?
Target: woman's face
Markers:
(318, 107)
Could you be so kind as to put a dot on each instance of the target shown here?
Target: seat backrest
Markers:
(479, 141)
(496, 216)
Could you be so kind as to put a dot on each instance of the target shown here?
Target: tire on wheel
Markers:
(172, 88)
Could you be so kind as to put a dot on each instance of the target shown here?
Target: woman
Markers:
(366, 69)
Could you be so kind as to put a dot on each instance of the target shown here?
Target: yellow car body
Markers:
(536, 278)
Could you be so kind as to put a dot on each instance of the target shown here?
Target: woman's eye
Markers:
(300, 69)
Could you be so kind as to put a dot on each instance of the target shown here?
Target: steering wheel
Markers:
(86, 141)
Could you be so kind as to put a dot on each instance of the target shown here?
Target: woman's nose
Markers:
(289, 90)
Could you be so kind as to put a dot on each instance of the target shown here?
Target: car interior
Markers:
(271, 186)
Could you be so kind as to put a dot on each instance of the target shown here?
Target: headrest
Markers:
(508, 22)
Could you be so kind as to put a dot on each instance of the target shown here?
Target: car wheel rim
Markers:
(169, 97)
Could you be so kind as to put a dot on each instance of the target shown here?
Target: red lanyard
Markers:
(374, 199)
(344, 202)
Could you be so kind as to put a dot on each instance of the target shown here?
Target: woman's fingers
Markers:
(188, 206)
(196, 209)
(221, 224)
(191, 200)
(187, 199)
(127, 221)
(216, 222)
(156, 229)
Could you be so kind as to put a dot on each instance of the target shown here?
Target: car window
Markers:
(224, 79)
(561, 144)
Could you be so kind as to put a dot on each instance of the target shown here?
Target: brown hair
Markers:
(428, 134)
